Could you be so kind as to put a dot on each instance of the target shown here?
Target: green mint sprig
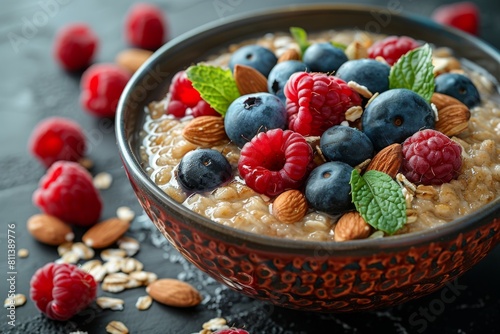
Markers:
(341, 46)
(379, 200)
(300, 37)
(414, 71)
(215, 85)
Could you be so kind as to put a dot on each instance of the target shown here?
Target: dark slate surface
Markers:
(32, 87)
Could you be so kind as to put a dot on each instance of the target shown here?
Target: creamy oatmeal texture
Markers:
(239, 206)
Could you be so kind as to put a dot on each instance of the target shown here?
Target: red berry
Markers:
(67, 192)
(62, 290)
(275, 161)
(57, 138)
(430, 157)
(392, 48)
(182, 89)
(145, 26)
(101, 87)
(75, 46)
(231, 331)
(317, 101)
(176, 108)
(202, 108)
(460, 15)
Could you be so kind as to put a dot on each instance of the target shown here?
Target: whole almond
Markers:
(290, 54)
(351, 226)
(290, 206)
(249, 80)
(205, 131)
(173, 292)
(105, 233)
(132, 59)
(453, 115)
(388, 160)
(49, 230)
(442, 100)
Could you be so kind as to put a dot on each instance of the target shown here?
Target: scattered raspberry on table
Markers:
(145, 26)
(57, 138)
(430, 157)
(461, 15)
(75, 46)
(101, 87)
(392, 48)
(67, 192)
(62, 290)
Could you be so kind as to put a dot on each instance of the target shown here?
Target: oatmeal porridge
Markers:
(243, 203)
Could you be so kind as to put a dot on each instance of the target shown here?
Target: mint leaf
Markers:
(379, 200)
(341, 46)
(414, 71)
(300, 37)
(215, 85)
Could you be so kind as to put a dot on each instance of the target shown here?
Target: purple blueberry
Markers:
(253, 113)
(395, 115)
(328, 188)
(346, 144)
(370, 73)
(260, 58)
(458, 86)
(323, 57)
(280, 74)
(203, 170)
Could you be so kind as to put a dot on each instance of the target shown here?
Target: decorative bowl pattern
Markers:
(328, 277)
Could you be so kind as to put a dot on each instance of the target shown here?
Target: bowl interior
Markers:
(150, 83)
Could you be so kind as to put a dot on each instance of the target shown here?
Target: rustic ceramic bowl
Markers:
(319, 276)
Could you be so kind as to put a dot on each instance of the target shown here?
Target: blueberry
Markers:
(256, 56)
(203, 170)
(328, 188)
(253, 113)
(346, 144)
(459, 87)
(280, 74)
(324, 57)
(395, 115)
(370, 73)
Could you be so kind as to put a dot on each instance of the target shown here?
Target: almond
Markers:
(249, 80)
(105, 233)
(290, 206)
(388, 160)
(205, 131)
(132, 59)
(173, 292)
(290, 54)
(453, 115)
(351, 226)
(49, 230)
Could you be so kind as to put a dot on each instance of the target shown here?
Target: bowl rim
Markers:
(405, 240)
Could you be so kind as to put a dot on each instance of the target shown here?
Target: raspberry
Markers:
(392, 48)
(316, 102)
(461, 15)
(202, 108)
(275, 161)
(101, 86)
(430, 157)
(176, 108)
(62, 290)
(145, 26)
(75, 46)
(67, 192)
(231, 331)
(57, 138)
(182, 89)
